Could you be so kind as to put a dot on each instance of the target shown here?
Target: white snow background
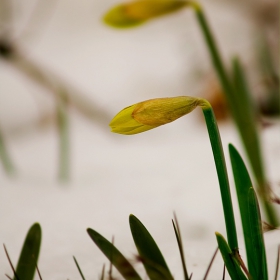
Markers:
(151, 175)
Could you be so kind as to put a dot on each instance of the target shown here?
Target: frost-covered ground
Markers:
(150, 175)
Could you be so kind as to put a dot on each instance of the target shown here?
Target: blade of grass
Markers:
(231, 263)
(114, 256)
(149, 252)
(180, 246)
(256, 236)
(28, 259)
(79, 269)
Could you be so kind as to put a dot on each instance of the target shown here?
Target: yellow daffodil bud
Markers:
(152, 113)
(136, 12)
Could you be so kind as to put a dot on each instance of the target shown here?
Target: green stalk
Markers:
(220, 163)
(239, 105)
(4, 156)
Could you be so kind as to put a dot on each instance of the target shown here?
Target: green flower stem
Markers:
(219, 158)
(4, 156)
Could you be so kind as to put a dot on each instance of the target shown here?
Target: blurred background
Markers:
(64, 75)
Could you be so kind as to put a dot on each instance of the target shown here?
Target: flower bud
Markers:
(152, 113)
(136, 12)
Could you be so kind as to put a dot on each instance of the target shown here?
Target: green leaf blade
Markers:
(149, 252)
(28, 259)
(243, 184)
(114, 256)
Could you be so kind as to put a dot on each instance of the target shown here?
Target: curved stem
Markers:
(220, 163)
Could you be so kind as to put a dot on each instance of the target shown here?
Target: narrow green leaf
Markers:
(149, 252)
(231, 263)
(243, 184)
(79, 269)
(114, 256)
(256, 236)
(28, 259)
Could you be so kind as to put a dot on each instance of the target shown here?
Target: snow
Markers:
(151, 175)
